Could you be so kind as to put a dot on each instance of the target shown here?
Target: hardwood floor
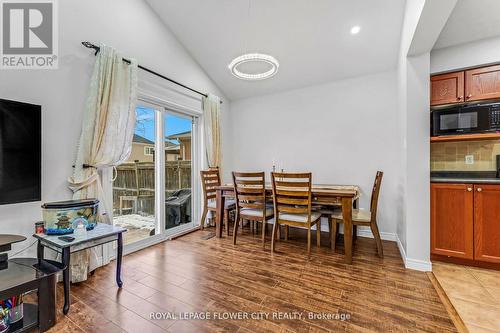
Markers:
(193, 275)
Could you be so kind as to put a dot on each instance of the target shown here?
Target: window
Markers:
(149, 151)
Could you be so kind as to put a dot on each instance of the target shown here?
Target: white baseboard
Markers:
(418, 265)
(402, 251)
(389, 236)
(415, 264)
(365, 232)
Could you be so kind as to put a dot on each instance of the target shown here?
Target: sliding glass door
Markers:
(153, 192)
(134, 185)
(178, 129)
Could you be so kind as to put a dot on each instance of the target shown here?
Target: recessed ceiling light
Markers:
(254, 57)
(355, 29)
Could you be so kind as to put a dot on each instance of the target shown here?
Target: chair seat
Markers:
(357, 215)
(299, 217)
(257, 212)
(228, 204)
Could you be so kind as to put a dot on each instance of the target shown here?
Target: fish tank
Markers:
(63, 217)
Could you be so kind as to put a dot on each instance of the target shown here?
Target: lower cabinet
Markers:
(487, 223)
(465, 221)
(452, 220)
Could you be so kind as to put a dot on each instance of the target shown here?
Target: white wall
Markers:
(413, 11)
(418, 163)
(131, 27)
(343, 132)
(482, 52)
(423, 22)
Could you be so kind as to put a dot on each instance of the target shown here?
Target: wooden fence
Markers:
(134, 186)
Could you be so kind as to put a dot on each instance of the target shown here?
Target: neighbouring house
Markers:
(143, 150)
(184, 139)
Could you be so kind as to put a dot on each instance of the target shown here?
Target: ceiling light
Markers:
(254, 57)
(355, 29)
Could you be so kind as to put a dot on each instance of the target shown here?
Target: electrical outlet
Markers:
(469, 159)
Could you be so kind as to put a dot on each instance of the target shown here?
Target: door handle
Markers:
(469, 189)
(479, 189)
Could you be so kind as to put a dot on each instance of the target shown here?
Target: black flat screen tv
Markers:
(20, 152)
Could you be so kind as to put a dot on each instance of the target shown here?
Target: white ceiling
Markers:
(471, 20)
(310, 39)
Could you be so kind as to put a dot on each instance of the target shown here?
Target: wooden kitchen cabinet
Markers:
(447, 88)
(452, 220)
(466, 86)
(482, 83)
(487, 223)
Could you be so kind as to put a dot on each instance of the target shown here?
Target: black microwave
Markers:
(466, 119)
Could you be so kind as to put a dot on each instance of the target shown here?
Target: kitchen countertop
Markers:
(465, 180)
(465, 177)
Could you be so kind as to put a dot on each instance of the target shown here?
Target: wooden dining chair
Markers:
(363, 217)
(251, 205)
(293, 205)
(209, 180)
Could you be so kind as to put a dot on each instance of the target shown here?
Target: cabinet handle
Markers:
(469, 96)
(479, 189)
(460, 97)
(469, 189)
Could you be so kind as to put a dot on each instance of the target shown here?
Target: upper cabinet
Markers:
(447, 88)
(482, 83)
(466, 86)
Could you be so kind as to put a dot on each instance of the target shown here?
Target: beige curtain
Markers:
(211, 117)
(106, 137)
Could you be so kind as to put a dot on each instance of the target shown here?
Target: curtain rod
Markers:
(97, 49)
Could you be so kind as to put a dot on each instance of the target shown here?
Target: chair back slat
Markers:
(210, 179)
(375, 194)
(292, 209)
(292, 184)
(244, 204)
(250, 190)
(246, 197)
(292, 193)
(249, 182)
(291, 201)
(289, 176)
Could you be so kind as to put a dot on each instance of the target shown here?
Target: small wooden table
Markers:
(321, 195)
(101, 234)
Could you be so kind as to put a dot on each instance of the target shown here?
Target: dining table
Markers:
(321, 194)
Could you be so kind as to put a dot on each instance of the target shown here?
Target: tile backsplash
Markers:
(450, 156)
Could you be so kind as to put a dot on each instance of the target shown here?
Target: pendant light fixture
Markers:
(259, 58)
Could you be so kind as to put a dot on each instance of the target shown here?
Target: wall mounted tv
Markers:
(20, 152)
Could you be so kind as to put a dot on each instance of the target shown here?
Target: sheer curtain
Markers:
(105, 140)
(211, 121)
